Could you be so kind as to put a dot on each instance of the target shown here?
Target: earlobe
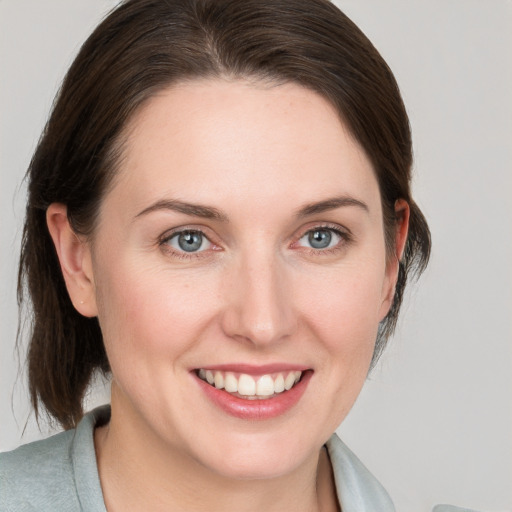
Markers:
(75, 260)
(402, 212)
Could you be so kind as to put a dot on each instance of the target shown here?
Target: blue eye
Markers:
(189, 241)
(321, 238)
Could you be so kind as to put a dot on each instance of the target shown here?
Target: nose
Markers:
(259, 303)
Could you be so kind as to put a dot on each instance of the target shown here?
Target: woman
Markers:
(219, 216)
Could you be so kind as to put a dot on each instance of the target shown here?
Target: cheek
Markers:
(344, 310)
(151, 313)
(344, 317)
(341, 316)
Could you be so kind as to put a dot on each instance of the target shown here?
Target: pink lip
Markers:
(258, 409)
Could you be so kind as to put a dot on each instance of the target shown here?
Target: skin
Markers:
(256, 293)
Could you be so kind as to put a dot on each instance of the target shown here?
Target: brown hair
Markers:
(142, 47)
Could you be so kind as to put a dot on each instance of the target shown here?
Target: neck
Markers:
(140, 472)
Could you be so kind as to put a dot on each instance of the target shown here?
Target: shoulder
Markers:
(49, 475)
(37, 476)
(356, 487)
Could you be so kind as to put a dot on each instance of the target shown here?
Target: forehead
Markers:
(213, 141)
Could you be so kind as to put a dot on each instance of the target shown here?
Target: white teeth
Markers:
(265, 386)
(289, 381)
(248, 386)
(279, 384)
(219, 380)
(231, 383)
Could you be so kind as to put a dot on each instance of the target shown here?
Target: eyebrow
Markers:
(331, 204)
(209, 212)
(196, 210)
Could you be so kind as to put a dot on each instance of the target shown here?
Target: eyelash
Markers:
(163, 242)
(345, 237)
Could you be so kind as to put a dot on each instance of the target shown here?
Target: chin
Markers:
(263, 467)
(258, 457)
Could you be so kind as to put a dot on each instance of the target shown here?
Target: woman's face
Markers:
(242, 241)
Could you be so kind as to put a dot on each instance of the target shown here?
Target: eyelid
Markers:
(344, 233)
(181, 229)
(341, 231)
(163, 240)
(204, 239)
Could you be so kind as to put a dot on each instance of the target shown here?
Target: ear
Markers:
(402, 212)
(75, 260)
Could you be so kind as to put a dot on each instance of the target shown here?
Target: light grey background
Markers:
(434, 422)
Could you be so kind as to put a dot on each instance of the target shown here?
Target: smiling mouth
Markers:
(250, 387)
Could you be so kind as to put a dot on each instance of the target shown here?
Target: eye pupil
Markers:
(320, 238)
(190, 241)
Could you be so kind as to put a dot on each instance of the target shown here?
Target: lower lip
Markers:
(257, 409)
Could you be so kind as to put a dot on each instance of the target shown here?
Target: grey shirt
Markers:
(60, 474)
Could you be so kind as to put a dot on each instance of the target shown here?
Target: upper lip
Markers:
(251, 369)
